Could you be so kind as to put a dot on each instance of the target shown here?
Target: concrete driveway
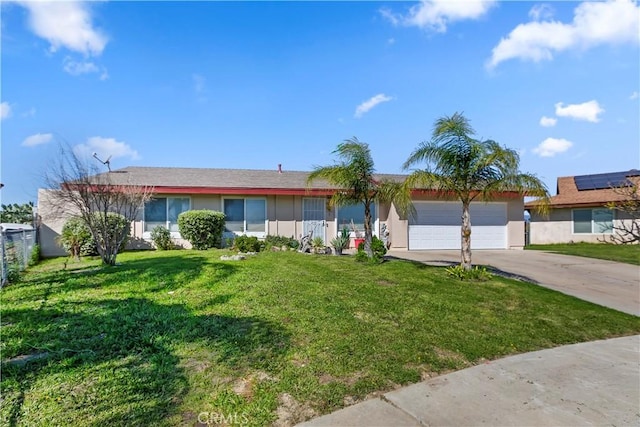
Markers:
(606, 283)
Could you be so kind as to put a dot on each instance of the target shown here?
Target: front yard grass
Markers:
(180, 337)
(629, 254)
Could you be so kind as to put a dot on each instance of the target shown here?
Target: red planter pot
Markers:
(357, 241)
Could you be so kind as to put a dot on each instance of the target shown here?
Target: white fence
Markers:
(16, 246)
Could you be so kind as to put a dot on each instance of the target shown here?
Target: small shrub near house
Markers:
(272, 241)
(35, 256)
(76, 236)
(115, 225)
(248, 244)
(202, 228)
(377, 247)
(161, 238)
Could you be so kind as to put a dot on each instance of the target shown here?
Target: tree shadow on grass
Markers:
(149, 274)
(113, 362)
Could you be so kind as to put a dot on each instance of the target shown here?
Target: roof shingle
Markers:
(569, 196)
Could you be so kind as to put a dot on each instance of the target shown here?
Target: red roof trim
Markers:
(242, 190)
(451, 194)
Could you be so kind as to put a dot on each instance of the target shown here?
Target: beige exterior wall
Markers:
(515, 224)
(284, 217)
(558, 228)
(281, 214)
(398, 229)
(51, 222)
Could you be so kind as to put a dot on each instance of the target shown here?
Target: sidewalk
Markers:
(593, 383)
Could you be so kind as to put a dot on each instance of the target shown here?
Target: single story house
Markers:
(276, 202)
(578, 211)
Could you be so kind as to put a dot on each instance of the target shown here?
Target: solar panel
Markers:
(601, 181)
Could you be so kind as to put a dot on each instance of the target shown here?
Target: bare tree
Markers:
(627, 229)
(80, 189)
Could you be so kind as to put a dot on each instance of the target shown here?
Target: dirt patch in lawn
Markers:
(291, 412)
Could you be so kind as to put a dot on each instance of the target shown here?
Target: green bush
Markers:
(76, 238)
(13, 274)
(113, 228)
(318, 243)
(479, 274)
(202, 228)
(35, 256)
(161, 238)
(280, 241)
(248, 244)
(377, 247)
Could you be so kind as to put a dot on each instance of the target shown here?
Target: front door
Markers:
(313, 210)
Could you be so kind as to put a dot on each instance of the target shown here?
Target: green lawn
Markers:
(629, 254)
(169, 337)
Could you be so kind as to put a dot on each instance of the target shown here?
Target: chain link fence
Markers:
(16, 246)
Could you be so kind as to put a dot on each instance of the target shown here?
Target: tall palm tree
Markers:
(354, 177)
(468, 169)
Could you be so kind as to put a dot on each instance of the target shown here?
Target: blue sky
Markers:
(254, 84)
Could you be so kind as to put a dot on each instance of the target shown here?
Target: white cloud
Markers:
(594, 23)
(548, 121)
(370, 103)
(37, 139)
(5, 110)
(76, 68)
(541, 11)
(435, 15)
(105, 148)
(391, 41)
(67, 25)
(552, 146)
(588, 111)
(634, 95)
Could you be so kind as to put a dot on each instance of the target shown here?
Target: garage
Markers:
(436, 225)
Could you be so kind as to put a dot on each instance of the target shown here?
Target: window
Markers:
(592, 221)
(164, 211)
(354, 214)
(245, 216)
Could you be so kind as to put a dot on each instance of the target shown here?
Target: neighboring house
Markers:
(263, 202)
(578, 212)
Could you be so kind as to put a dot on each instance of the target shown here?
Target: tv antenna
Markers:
(107, 162)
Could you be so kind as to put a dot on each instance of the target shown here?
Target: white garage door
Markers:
(437, 226)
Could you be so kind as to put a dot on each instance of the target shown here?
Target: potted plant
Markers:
(318, 245)
(357, 236)
(341, 241)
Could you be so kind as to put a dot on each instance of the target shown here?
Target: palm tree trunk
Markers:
(466, 237)
(368, 235)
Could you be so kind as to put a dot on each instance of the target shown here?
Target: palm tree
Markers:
(354, 177)
(468, 169)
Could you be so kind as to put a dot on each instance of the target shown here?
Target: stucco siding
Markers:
(558, 228)
(515, 224)
(51, 222)
(211, 202)
(282, 220)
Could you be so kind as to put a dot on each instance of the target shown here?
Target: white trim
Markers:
(592, 233)
(259, 234)
(174, 234)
